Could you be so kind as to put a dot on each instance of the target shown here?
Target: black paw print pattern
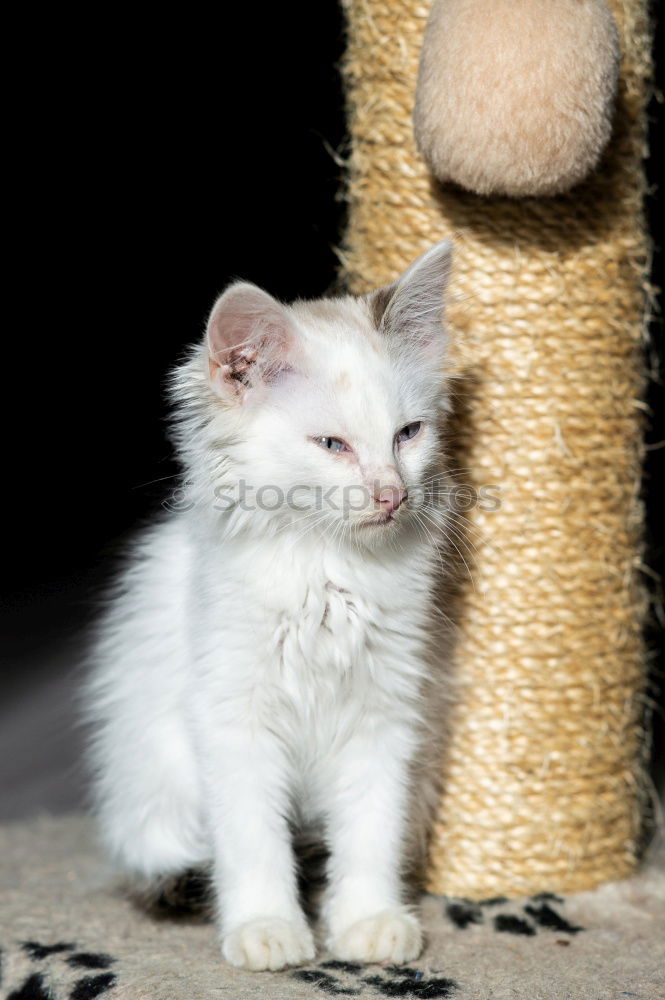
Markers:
(352, 979)
(84, 987)
(463, 913)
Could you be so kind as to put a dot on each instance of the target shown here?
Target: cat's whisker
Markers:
(452, 542)
(455, 468)
(447, 516)
(446, 525)
(355, 534)
(448, 474)
(469, 526)
(470, 548)
(296, 521)
(340, 534)
(435, 544)
(435, 609)
(161, 479)
(325, 516)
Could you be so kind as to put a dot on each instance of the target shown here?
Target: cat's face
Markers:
(330, 409)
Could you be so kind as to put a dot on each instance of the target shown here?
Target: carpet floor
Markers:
(68, 933)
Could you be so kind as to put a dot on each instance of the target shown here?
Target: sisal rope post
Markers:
(543, 778)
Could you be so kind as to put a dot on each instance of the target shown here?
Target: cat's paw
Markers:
(390, 936)
(268, 943)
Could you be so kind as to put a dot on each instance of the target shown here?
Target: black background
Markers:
(152, 159)
(164, 158)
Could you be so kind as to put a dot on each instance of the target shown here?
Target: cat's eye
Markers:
(409, 432)
(331, 444)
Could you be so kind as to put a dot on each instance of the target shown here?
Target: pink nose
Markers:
(391, 497)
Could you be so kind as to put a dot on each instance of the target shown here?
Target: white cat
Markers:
(264, 664)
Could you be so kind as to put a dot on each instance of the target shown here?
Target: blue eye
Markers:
(409, 432)
(332, 444)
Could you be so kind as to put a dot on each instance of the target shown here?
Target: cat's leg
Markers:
(366, 917)
(261, 922)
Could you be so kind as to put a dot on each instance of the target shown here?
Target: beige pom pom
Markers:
(515, 97)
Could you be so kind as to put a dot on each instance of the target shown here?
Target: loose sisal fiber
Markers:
(543, 780)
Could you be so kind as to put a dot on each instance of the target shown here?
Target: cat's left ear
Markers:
(250, 339)
(410, 310)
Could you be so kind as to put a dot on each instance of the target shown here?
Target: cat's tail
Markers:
(188, 894)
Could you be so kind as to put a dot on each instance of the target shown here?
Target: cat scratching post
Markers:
(543, 781)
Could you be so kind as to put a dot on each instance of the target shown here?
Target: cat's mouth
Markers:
(380, 519)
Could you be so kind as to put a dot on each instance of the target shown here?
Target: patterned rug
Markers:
(68, 933)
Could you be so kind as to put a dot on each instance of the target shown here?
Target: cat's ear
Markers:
(250, 340)
(410, 310)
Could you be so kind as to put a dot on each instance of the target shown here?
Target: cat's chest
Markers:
(343, 642)
(311, 623)
(321, 612)
(328, 624)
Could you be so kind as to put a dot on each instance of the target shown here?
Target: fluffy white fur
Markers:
(261, 670)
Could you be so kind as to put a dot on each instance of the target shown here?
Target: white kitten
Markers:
(263, 666)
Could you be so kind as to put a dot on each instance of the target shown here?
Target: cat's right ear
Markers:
(410, 311)
(250, 340)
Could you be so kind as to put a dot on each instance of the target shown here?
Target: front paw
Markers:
(268, 943)
(390, 936)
